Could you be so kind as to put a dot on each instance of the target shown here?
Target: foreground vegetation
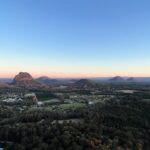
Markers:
(120, 124)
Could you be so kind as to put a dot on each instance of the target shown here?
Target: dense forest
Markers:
(120, 124)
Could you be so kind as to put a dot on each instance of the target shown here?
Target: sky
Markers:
(75, 38)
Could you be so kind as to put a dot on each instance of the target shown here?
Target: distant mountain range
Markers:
(6, 80)
(117, 79)
(47, 81)
(121, 79)
(131, 79)
(24, 79)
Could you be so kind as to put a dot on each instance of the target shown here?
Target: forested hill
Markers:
(123, 124)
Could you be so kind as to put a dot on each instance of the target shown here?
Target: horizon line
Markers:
(73, 75)
(79, 77)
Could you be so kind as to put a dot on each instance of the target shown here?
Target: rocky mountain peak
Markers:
(23, 76)
(24, 79)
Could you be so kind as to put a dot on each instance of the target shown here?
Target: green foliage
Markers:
(123, 124)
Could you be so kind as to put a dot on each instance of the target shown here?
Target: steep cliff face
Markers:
(23, 76)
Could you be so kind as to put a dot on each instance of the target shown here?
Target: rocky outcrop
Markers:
(23, 76)
(24, 79)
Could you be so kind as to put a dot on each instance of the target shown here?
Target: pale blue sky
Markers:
(62, 38)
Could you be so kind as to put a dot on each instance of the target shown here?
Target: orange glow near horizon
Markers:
(75, 75)
(76, 71)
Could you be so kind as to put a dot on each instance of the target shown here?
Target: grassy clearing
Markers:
(73, 105)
